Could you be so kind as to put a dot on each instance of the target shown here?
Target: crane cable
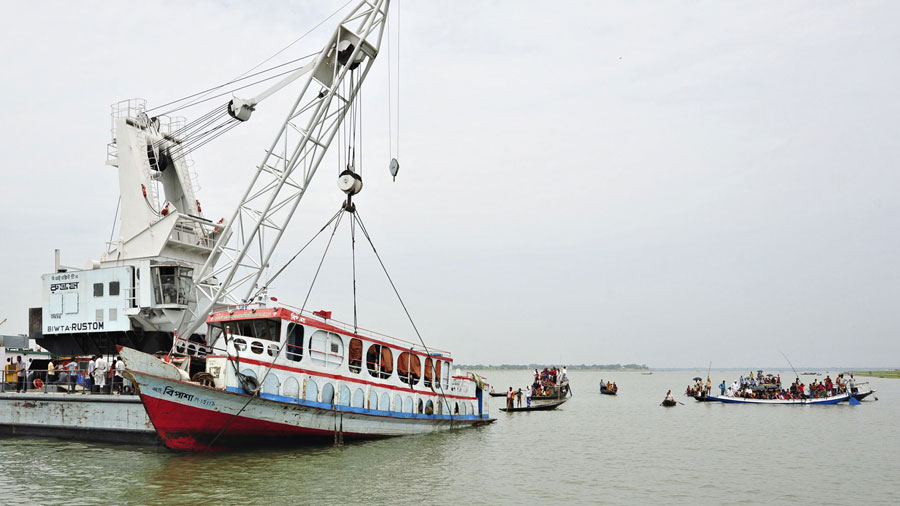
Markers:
(251, 69)
(272, 363)
(403, 304)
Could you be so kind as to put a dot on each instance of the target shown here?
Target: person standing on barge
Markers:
(101, 367)
(72, 368)
(89, 379)
(20, 375)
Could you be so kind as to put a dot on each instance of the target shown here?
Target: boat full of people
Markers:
(762, 388)
(550, 384)
(608, 388)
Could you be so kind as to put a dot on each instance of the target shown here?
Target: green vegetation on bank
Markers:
(570, 367)
(893, 373)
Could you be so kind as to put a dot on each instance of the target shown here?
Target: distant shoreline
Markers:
(894, 373)
(531, 367)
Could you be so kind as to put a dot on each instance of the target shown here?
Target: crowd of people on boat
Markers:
(769, 387)
(546, 383)
(99, 375)
(609, 385)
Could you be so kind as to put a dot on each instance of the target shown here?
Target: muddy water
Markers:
(595, 449)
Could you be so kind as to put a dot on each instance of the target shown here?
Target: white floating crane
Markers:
(331, 84)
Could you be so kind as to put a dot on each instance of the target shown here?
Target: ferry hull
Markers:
(191, 417)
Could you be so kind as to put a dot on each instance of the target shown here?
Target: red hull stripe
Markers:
(183, 427)
(347, 378)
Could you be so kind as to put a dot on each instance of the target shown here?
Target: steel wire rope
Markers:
(285, 266)
(227, 127)
(353, 255)
(285, 48)
(214, 88)
(195, 124)
(113, 230)
(272, 363)
(232, 90)
(403, 304)
(196, 128)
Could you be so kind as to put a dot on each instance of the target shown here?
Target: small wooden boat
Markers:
(541, 406)
(557, 393)
(498, 394)
(668, 403)
(862, 395)
(608, 391)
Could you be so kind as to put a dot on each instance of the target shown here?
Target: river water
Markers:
(593, 450)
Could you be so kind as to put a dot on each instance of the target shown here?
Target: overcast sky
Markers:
(668, 183)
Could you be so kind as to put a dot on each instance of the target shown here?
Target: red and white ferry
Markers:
(276, 377)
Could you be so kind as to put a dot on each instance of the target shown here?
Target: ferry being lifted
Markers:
(283, 375)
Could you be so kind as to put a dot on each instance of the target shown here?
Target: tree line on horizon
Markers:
(571, 367)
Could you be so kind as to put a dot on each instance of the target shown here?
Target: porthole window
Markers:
(408, 405)
(345, 395)
(240, 344)
(359, 398)
(328, 393)
(256, 347)
(272, 349)
(271, 384)
(294, 345)
(409, 368)
(354, 361)
(326, 349)
(291, 388)
(429, 372)
(379, 361)
(429, 408)
(312, 391)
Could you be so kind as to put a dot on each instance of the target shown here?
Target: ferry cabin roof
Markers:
(327, 346)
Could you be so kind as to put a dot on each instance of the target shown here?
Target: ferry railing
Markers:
(347, 327)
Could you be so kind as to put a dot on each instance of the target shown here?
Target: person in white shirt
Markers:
(120, 366)
(101, 368)
(89, 380)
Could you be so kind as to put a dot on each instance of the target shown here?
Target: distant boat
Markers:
(646, 373)
(608, 391)
(668, 403)
(543, 406)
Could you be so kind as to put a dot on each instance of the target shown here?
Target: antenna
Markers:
(789, 363)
